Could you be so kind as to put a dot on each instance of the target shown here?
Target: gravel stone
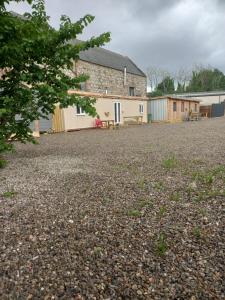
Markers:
(100, 214)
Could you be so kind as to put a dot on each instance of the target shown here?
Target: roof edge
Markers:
(109, 96)
(175, 98)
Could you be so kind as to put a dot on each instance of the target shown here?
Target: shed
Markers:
(172, 109)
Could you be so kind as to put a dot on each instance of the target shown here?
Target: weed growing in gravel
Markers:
(189, 191)
(9, 194)
(203, 211)
(219, 170)
(197, 232)
(175, 196)
(197, 161)
(106, 200)
(208, 177)
(208, 194)
(162, 211)
(134, 213)
(159, 185)
(141, 183)
(144, 203)
(205, 178)
(161, 245)
(170, 163)
(3, 163)
(97, 251)
(201, 196)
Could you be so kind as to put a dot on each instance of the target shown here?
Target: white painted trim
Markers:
(120, 111)
(142, 110)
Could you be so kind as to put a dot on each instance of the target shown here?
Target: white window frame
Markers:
(117, 112)
(80, 111)
(141, 108)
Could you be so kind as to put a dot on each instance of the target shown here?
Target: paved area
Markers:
(136, 213)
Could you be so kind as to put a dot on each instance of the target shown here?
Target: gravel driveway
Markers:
(135, 213)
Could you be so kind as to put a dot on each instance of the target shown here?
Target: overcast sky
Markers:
(164, 33)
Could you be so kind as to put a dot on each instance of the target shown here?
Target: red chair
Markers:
(98, 123)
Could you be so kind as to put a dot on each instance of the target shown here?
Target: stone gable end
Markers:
(102, 78)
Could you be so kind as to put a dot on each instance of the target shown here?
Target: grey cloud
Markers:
(165, 33)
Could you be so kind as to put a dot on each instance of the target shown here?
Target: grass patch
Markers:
(162, 211)
(207, 195)
(144, 203)
(208, 177)
(197, 232)
(197, 161)
(3, 163)
(175, 197)
(205, 178)
(161, 245)
(203, 212)
(97, 251)
(141, 183)
(201, 196)
(170, 163)
(218, 170)
(134, 213)
(9, 194)
(159, 185)
(106, 200)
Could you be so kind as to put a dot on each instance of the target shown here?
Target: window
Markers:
(182, 106)
(131, 91)
(80, 111)
(141, 108)
(196, 107)
(174, 106)
(106, 90)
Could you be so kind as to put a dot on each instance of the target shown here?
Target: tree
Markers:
(182, 77)
(34, 58)
(154, 76)
(166, 86)
(206, 79)
(180, 88)
(160, 81)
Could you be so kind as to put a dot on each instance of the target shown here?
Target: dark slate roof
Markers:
(107, 58)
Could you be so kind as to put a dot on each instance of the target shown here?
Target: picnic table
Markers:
(108, 123)
(138, 119)
(194, 116)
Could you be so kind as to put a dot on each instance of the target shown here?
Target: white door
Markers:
(117, 110)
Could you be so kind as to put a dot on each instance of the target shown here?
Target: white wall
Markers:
(105, 109)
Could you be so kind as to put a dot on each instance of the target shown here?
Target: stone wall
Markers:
(104, 78)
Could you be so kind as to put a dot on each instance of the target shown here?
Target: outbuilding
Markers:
(172, 109)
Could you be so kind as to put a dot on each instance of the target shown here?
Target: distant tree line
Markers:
(199, 79)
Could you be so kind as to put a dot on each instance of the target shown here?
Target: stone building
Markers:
(110, 73)
(118, 85)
